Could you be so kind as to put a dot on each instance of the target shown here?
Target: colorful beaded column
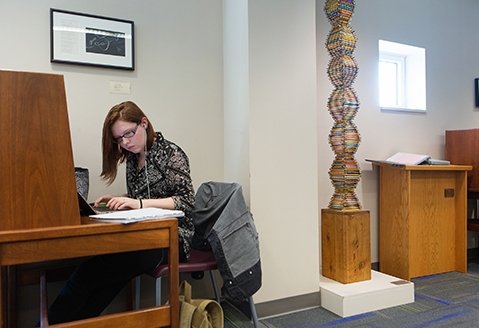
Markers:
(343, 105)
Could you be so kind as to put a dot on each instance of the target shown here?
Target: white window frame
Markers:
(400, 62)
(411, 75)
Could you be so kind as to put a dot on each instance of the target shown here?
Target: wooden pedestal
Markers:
(345, 245)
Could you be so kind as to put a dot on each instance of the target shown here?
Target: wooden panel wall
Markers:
(462, 149)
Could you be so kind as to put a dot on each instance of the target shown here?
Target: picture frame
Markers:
(84, 39)
(476, 91)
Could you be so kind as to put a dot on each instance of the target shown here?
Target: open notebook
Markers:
(142, 214)
(402, 159)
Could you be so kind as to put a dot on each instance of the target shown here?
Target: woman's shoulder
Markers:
(163, 145)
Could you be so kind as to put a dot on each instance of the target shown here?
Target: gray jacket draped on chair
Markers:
(223, 221)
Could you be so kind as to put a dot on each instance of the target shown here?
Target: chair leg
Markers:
(215, 286)
(474, 206)
(254, 316)
(43, 300)
(11, 275)
(158, 292)
(137, 291)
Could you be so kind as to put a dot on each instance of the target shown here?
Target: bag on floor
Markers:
(198, 313)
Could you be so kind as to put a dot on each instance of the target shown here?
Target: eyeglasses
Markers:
(128, 134)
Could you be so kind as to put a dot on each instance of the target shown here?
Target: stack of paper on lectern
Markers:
(408, 158)
(142, 214)
(402, 159)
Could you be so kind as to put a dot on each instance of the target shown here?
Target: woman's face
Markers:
(130, 136)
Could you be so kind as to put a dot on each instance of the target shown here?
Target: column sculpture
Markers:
(343, 105)
(345, 231)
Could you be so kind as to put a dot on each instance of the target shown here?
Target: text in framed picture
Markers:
(85, 39)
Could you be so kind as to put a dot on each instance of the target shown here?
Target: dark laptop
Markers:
(88, 209)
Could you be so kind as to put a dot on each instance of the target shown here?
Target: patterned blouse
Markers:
(168, 175)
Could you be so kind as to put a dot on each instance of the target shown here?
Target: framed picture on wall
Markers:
(476, 91)
(85, 39)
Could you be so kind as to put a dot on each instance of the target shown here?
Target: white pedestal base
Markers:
(382, 291)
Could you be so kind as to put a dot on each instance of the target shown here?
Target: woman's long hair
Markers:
(113, 153)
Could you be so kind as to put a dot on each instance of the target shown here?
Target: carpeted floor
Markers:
(442, 300)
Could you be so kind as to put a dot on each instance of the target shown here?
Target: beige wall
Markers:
(178, 78)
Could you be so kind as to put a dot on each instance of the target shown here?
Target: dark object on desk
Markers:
(434, 161)
(82, 177)
(88, 209)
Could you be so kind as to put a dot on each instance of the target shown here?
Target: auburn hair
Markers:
(113, 153)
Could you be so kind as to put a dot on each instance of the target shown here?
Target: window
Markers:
(402, 76)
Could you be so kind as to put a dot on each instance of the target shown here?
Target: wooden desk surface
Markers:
(91, 238)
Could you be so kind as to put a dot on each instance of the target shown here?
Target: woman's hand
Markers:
(102, 200)
(121, 203)
(117, 202)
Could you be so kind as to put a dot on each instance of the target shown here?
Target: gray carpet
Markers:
(442, 300)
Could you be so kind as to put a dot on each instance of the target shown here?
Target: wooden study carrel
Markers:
(36, 167)
(39, 213)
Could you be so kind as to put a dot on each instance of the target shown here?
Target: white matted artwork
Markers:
(84, 39)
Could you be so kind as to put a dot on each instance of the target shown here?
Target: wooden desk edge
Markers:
(425, 167)
(93, 228)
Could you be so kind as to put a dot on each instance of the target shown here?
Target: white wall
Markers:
(178, 78)
(283, 145)
(236, 93)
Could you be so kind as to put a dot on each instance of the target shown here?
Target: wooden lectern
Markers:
(39, 212)
(422, 226)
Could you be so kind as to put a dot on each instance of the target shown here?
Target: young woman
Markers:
(157, 175)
